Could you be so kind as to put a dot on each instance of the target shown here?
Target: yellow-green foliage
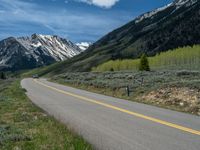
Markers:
(118, 65)
(180, 58)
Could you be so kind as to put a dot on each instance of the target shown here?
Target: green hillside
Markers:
(181, 58)
(168, 29)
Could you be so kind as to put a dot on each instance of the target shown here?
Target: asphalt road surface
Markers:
(114, 124)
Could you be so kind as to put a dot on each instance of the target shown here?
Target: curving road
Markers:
(113, 124)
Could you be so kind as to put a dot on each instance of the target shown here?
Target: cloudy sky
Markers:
(77, 20)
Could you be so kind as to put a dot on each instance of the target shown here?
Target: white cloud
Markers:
(67, 23)
(100, 3)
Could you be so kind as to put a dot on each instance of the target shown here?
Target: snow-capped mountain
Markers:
(84, 45)
(177, 4)
(37, 50)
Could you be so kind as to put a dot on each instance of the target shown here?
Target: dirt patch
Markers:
(182, 98)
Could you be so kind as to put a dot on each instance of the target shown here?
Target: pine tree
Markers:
(2, 76)
(144, 63)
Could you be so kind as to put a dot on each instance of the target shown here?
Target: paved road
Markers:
(114, 124)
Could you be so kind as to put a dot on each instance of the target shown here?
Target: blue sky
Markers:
(77, 20)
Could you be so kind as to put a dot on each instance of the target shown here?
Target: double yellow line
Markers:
(172, 125)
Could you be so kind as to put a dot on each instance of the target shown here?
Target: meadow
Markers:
(187, 58)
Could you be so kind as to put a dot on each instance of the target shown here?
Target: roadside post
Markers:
(128, 90)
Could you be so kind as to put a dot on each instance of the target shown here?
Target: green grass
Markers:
(26, 127)
(181, 58)
(42, 71)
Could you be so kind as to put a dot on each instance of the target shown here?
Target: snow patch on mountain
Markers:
(180, 3)
(177, 4)
(152, 13)
(83, 45)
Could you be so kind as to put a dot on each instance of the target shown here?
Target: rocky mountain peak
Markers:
(35, 50)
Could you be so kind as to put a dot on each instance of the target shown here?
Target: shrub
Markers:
(111, 69)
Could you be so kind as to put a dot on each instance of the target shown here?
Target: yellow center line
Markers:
(172, 125)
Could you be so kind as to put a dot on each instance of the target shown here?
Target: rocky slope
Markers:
(35, 51)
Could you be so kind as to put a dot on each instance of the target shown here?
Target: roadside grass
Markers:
(23, 126)
(141, 84)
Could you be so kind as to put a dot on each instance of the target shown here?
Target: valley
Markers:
(135, 87)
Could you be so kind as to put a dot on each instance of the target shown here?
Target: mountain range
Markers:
(35, 51)
(174, 25)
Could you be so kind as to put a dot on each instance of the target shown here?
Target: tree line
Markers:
(187, 58)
